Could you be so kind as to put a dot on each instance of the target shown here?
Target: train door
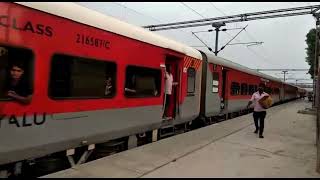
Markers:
(171, 101)
(282, 95)
(212, 96)
(224, 102)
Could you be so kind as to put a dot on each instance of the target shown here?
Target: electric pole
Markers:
(284, 75)
(217, 38)
(217, 29)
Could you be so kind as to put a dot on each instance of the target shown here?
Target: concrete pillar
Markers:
(316, 90)
(154, 135)
(132, 142)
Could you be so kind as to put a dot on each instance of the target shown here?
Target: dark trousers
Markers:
(166, 106)
(259, 116)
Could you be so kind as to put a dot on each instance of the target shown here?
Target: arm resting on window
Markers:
(130, 90)
(24, 100)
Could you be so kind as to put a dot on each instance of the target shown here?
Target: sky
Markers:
(283, 38)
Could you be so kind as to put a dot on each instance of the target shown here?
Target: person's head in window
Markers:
(109, 81)
(108, 89)
(17, 87)
(16, 71)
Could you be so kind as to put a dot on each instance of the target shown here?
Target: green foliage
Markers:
(311, 39)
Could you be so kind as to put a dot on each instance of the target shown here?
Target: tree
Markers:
(311, 42)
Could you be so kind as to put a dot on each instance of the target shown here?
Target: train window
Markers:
(255, 88)
(244, 89)
(77, 77)
(251, 89)
(191, 80)
(262, 85)
(142, 82)
(215, 82)
(276, 90)
(235, 88)
(22, 59)
(268, 90)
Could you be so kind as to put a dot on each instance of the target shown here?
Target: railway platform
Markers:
(225, 149)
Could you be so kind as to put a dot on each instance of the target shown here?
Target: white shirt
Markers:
(255, 98)
(169, 82)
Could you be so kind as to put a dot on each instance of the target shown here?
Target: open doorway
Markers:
(172, 84)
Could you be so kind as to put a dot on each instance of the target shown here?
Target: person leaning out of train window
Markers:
(259, 112)
(108, 89)
(130, 86)
(16, 86)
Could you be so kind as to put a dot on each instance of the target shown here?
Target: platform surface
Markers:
(226, 149)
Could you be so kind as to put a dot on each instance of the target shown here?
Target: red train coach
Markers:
(227, 87)
(98, 82)
(81, 66)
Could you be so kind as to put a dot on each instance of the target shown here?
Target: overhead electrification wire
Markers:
(146, 15)
(205, 17)
(218, 9)
(233, 37)
(192, 32)
(192, 9)
(202, 41)
(137, 11)
(248, 34)
(255, 53)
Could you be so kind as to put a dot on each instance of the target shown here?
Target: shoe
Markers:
(256, 131)
(166, 118)
(260, 136)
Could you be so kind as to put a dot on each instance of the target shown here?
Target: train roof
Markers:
(233, 65)
(96, 19)
(93, 18)
(230, 64)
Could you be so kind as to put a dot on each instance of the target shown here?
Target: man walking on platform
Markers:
(259, 112)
